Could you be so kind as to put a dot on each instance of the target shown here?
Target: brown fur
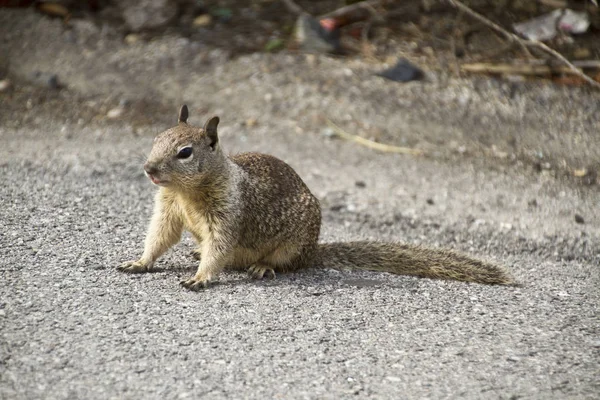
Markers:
(253, 212)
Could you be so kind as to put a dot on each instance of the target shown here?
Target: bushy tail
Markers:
(406, 259)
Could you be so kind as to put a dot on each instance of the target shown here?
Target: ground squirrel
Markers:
(252, 212)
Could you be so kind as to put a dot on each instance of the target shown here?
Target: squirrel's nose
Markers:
(150, 169)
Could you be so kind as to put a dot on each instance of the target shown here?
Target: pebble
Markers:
(328, 132)
(579, 219)
(116, 112)
(132, 38)
(532, 203)
(202, 20)
(53, 82)
(5, 84)
(403, 71)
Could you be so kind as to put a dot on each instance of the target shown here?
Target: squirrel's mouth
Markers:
(156, 181)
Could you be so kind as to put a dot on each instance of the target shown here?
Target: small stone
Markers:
(202, 20)
(403, 71)
(430, 201)
(132, 38)
(580, 172)
(514, 358)
(328, 132)
(53, 82)
(5, 84)
(250, 122)
(393, 379)
(336, 207)
(360, 184)
(579, 219)
(115, 113)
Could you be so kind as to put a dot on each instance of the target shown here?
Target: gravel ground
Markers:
(74, 204)
(73, 327)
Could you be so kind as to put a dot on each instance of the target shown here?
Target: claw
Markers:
(194, 284)
(258, 272)
(134, 267)
(270, 273)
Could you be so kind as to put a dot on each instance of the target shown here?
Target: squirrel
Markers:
(252, 212)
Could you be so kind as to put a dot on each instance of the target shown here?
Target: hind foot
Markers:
(259, 271)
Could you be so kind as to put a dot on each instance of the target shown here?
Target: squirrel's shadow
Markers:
(310, 277)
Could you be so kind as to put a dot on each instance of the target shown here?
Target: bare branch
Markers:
(556, 54)
(517, 69)
(371, 144)
(524, 43)
(509, 36)
(367, 7)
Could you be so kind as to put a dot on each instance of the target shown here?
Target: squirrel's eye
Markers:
(185, 152)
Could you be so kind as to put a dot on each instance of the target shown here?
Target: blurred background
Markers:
(421, 74)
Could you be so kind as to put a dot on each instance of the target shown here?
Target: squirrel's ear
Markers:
(183, 114)
(210, 127)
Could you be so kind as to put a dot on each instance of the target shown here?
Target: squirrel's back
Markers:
(276, 204)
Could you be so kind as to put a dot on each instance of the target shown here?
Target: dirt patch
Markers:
(532, 126)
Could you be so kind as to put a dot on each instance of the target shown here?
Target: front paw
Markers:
(195, 283)
(135, 267)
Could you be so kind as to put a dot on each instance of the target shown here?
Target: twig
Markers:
(371, 144)
(359, 7)
(510, 36)
(587, 64)
(293, 7)
(525, 43)
(556, 54)
(519, 69)
(554, 3)
(493, 53)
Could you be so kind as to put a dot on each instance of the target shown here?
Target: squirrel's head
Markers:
(184, 155)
